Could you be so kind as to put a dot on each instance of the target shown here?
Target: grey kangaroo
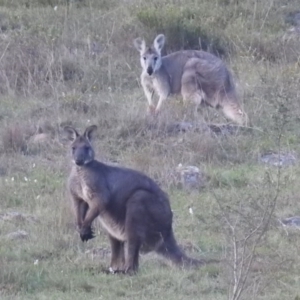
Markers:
(198, 75)
(132, 208)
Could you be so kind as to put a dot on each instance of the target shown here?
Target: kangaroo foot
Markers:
(127, 271)
(156, 112)
(151, 109)
(115, 271)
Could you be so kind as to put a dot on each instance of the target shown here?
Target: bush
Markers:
(183, 28)
(101, 4)
(14, 139)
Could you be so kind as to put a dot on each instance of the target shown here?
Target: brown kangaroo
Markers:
(132, 208)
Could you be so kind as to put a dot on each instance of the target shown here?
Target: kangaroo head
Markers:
(150, 56)
(82, 150)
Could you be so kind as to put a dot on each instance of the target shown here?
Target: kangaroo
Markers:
(198, 75)
(131, 207)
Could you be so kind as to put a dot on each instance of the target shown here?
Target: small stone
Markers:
(292, 222)
(12, 216)
(180, 127)
(98, 252)
(293, 18)
(20, 234)
(191, 177)
(16, 216)
(292, 33)
(279, 159)
(40, 138)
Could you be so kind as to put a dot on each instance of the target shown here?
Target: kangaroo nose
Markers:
(150, 70)
(79, 162)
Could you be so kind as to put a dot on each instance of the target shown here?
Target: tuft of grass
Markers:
(14, 139)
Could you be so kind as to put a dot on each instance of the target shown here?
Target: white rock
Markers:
(19, 234)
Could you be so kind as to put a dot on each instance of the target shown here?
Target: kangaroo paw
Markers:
(86, 234)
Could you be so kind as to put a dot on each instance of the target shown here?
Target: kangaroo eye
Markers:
(144, 58)
(155, 58)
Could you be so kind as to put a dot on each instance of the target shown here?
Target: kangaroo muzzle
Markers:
(150, 70)
(79, 161)
(83, 157)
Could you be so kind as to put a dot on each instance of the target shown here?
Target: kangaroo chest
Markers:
(86, 193)
(112, 226)
(166, 84)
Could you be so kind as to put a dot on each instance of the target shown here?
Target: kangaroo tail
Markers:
(170, 249)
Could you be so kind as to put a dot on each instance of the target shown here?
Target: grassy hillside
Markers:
(73, 62)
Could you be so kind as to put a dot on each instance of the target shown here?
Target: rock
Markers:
(98, 252)
(17, 235)
(16, 216)
(292, 222)
(96, 48)
(219, 129)
(292, 34)
(190, 177)
(279, 159)
(179, 127)
(293, 18)
(40, 138)
(224, 129)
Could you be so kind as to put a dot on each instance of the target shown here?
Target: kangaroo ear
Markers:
(72, 133)
(90, 132)
(140, 44)
(159, 42)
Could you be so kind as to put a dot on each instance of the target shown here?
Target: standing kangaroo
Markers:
(132, 208)
(199, 76)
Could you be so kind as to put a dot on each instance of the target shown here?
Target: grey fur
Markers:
(197, 75)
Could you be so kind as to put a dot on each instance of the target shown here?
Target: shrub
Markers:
(183, 28)
(102, 4)
(13, 139)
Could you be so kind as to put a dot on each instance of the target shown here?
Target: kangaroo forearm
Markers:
(86, 231)
(86, 212)
(91, 215)
(82, 209)
(149, 96)
(78, 206)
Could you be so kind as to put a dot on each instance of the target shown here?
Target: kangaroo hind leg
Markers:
(232, 109)
(135, 227)
(191, 92)
(117, 255)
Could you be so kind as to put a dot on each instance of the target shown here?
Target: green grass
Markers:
(77, 65)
